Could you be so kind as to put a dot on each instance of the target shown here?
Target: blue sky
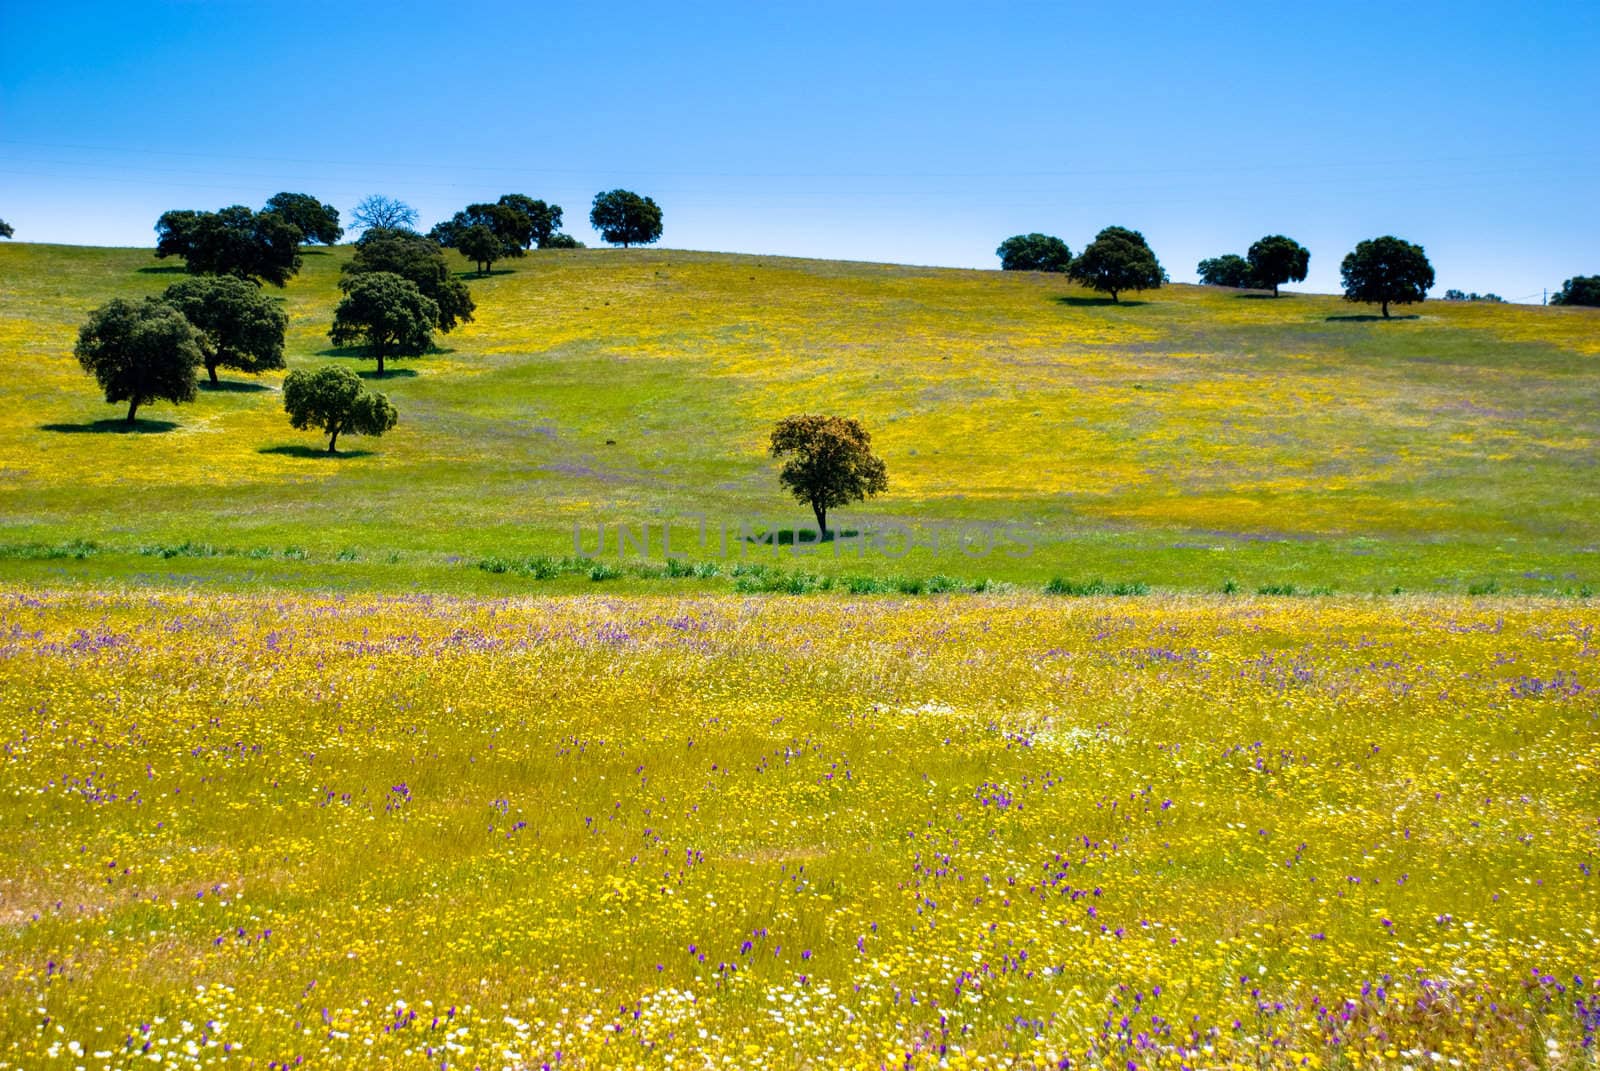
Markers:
(917, 133)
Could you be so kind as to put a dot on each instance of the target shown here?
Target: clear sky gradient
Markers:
(916, 133)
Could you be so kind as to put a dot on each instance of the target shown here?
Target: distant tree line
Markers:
(1578, 290)
(1270, 262)
(1118, 260)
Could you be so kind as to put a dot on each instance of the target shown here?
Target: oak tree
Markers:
(140, 352)
(828, 462)
(333, 400)
(1386, 271)
(385, 315)
(239, 326)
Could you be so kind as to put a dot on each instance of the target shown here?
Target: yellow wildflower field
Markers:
(275, 830)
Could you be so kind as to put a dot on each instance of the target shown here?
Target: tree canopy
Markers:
(1578, 290)
(386, 315)
(1034, 252)
(140, 352)
(1386, 271)
(378, 211)
(543, 221)
(419, 259)
(239, 326)
(233, 241)
(1275, 260)
(1230, 269)
(333, 400)
(1118, 259)
(624, 218)
(318, 222)
(485, 233)
(828, 463)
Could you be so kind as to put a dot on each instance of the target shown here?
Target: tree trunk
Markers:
(1114, 300)
(822, 522)
(211, 366)
(133, 407)
(1274, 289)
(1385, 310)
(333, 439)
(380, 365)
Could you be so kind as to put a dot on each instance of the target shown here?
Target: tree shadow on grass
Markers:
(359, 354)
(788, 537)
(314, 453)
(233, 386)
(1257, 296)
(116, 426)
(473, 273)
(388, 374)
(164, 269)
(1368, 318)
(1098, 302)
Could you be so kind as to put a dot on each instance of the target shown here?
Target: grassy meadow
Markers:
(1264, 734)
(415, 831)
(1185, 439)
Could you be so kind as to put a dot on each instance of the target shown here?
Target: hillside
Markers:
(1184, 439)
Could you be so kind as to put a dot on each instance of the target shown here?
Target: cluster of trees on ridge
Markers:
(1381, 271)
(397, 289)
(1118, 259)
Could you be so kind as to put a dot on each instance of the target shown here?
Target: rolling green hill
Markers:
(1184, 439)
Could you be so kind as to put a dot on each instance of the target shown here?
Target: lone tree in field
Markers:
(1578, 290)
(5, 229)
(1034, 252)
(1118, 259)
(419, 259)
(624, 218)
(239, 326)
(386, 315)
(829, 463)
(1230, 269)
(234, 241)
(333, 400)
(318, 222)
(140, 352)
(380, 212)
(1386, 271)
(1276, 260)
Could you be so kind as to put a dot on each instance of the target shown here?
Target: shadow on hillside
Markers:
(307, 251)
(164, 269)
(315, 453)
(360, 354)
(1097, 302)
(1368, 318)
(1257, 296)
(116, 426)
(232, 386)
(388, 374)
(476, 274)
(787, 537)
